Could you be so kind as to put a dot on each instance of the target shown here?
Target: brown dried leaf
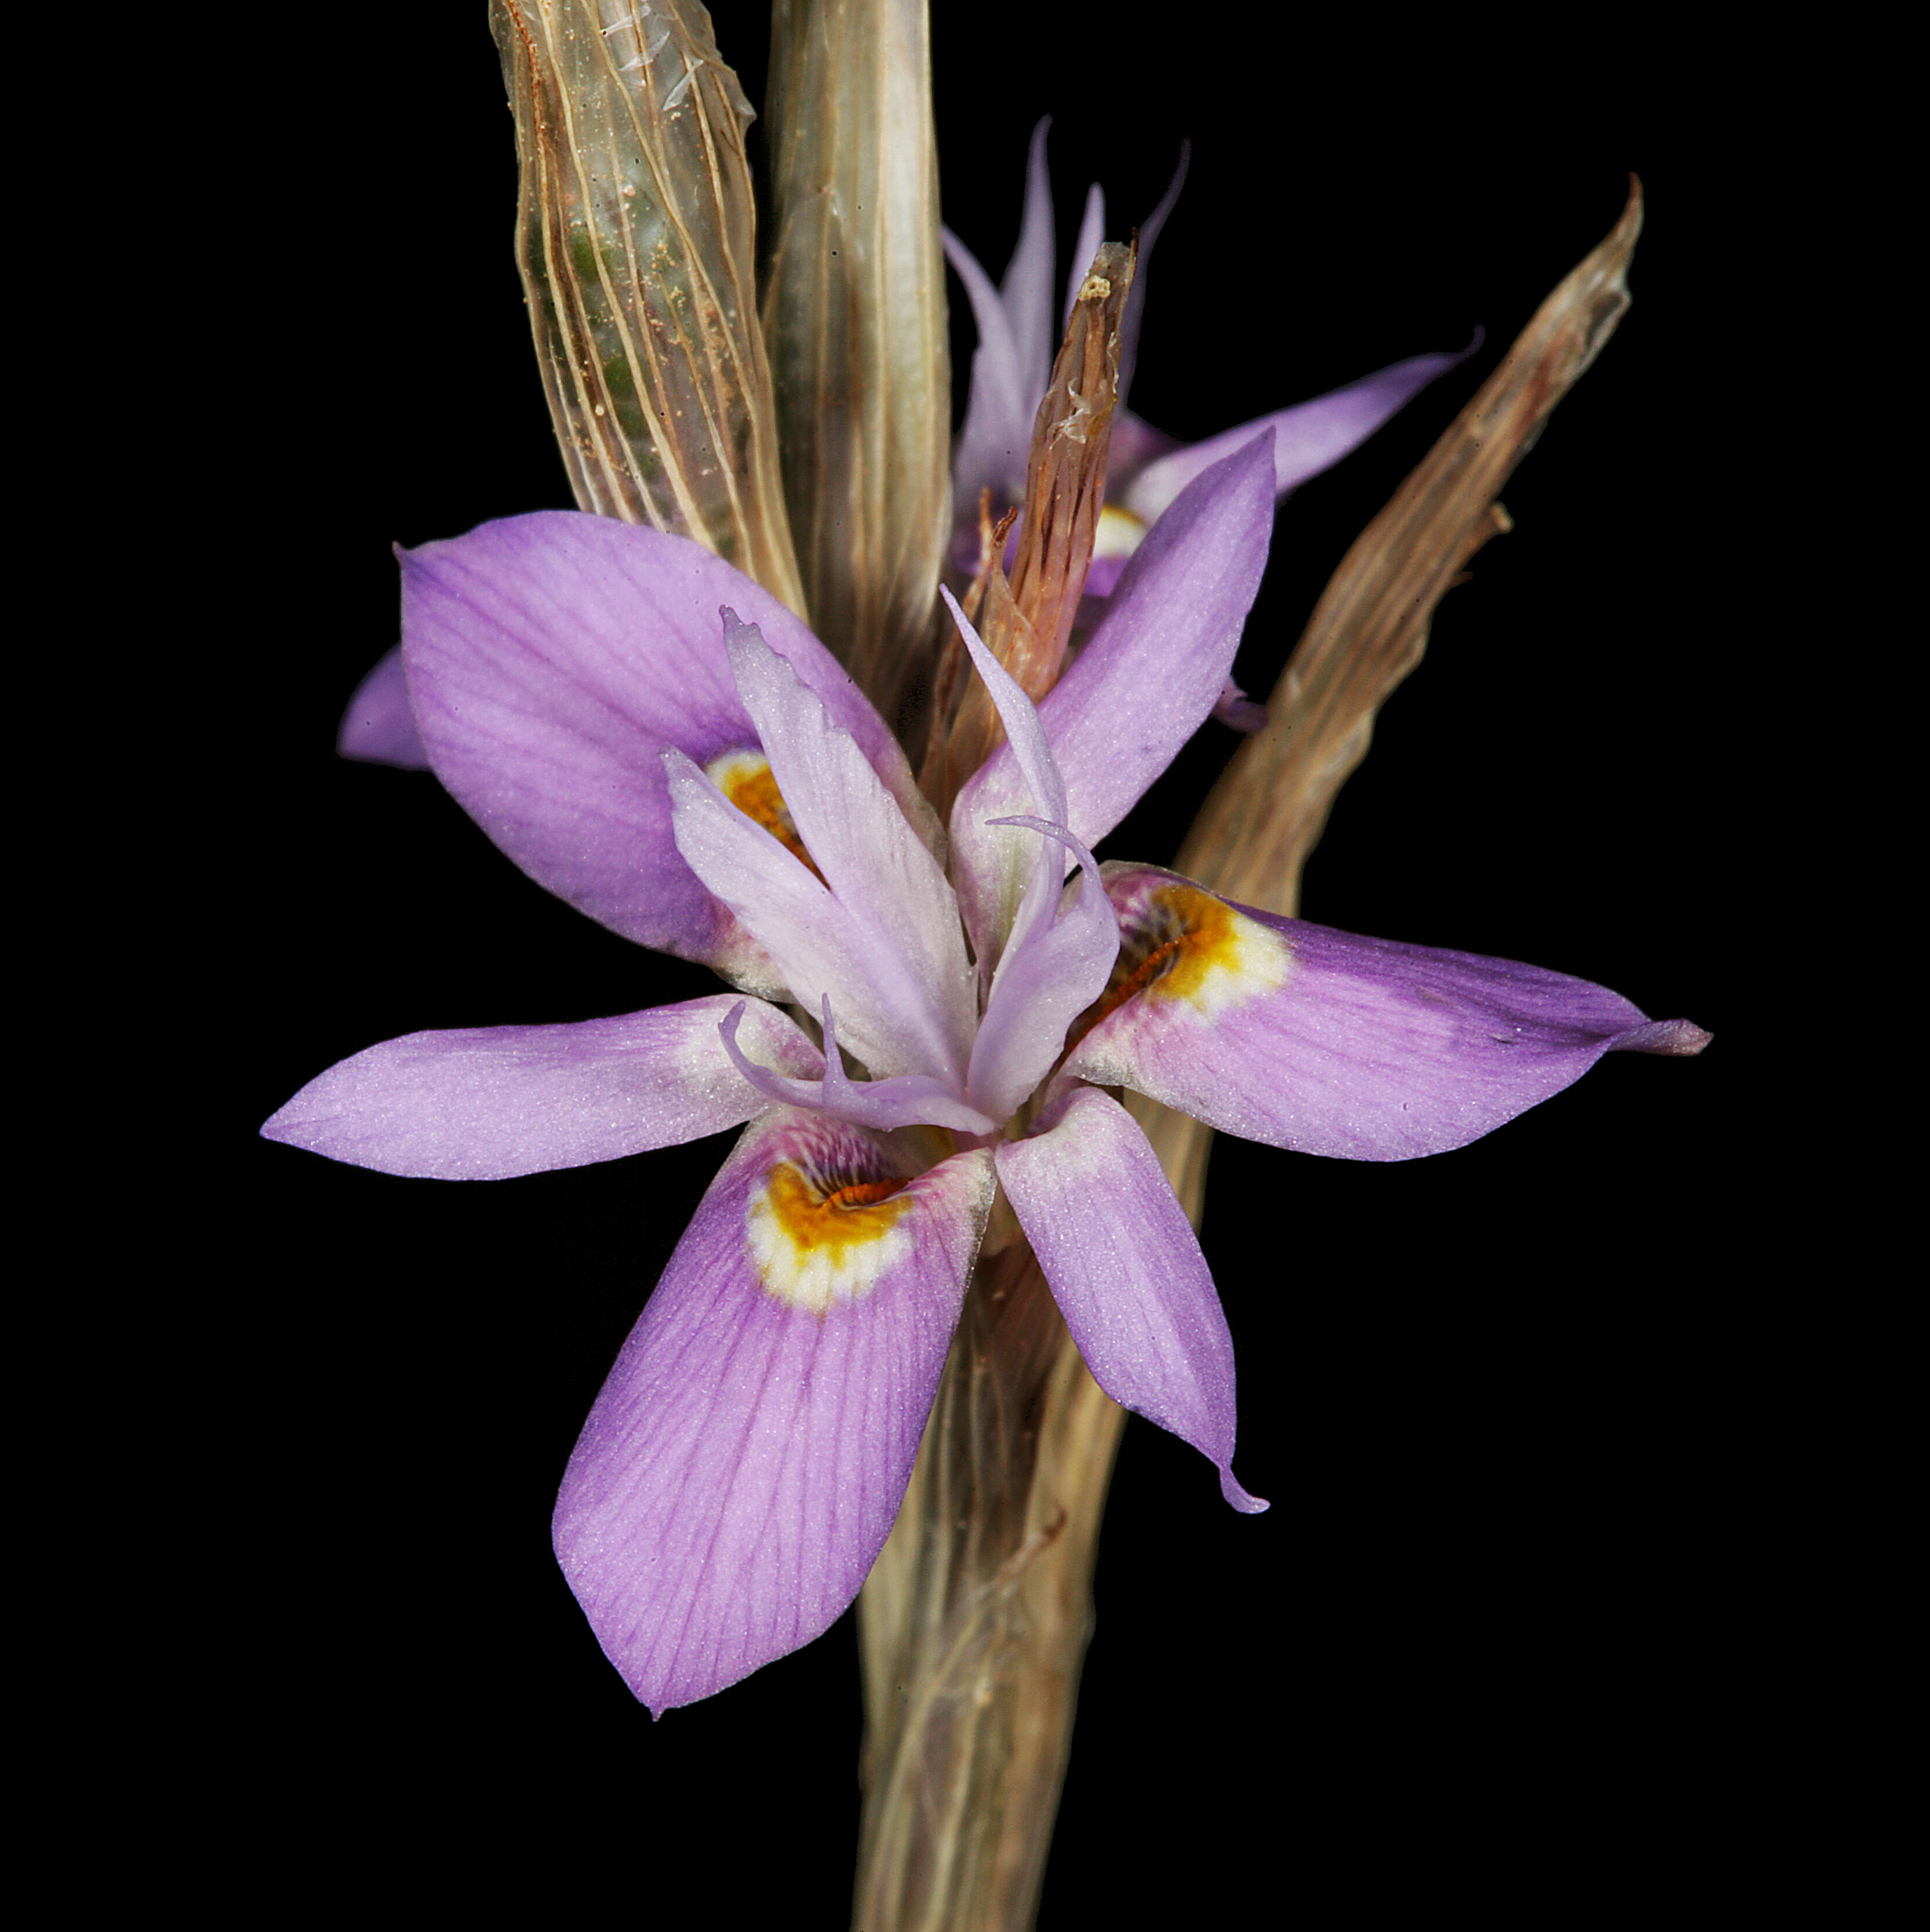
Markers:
(1065, 473)
(635, 238)
(1266, 815)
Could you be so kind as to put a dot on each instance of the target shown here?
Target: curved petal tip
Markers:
(1680, 1038)
(1246, 1504)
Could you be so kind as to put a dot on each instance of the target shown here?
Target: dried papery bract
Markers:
(854, 320)
(1266, 815)
(1371, 627)
(1065, 473)
(1027, 620)
(635, 237)
(975, 1617)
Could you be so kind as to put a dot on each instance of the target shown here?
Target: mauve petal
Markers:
(1091, 232)
(1125, 1270)
(1135, 443)
(996, 435)
(1027, 289)
(481, 1103)
(1054, 968)
(1048, 961)
(902, 910)
(1149, 679)
(1136, 296)
(748, 1454)
(904, 1100)
(551, 658)
(816, 946)
(1303, 1037)
(1308, 438)
(783, 910)
(993, 869)
(378, 727)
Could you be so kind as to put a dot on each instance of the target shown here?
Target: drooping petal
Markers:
(905, 1100)
(744, 1462)
(900, 908)
(1149, 679)
(1125, 1270)
(551, 658)
(996, 434)
(1308, 438)
(378, 727)
(1303, 1037)
(480, 1103)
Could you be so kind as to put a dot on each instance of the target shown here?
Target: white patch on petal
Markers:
(1119, 534)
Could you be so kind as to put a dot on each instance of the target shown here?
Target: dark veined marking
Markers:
(844, 1215)
(1179, 937)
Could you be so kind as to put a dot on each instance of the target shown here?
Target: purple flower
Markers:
(1146, 469)
(717, 787)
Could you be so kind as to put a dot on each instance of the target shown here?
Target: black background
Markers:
(1499, 1641)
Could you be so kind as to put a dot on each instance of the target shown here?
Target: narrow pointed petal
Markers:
(1136, 302)
(1020, 717)
(1027, 289)
(1012, 881)
(1046, 962)
(1149, 679)
(905, 1100)
(997, 434)
(1303, 1037)
(745, 1459)
(481, 1103)
(816, 946)
(901, 909)
(1125, 1270)
(378, 727)
(1308, 438)
(550, 658)
(1091, 232)
(1054, 968)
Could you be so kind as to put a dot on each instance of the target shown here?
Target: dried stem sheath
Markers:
(975, 1619)
(854, 318)
(636, 239)
(1368, 632)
